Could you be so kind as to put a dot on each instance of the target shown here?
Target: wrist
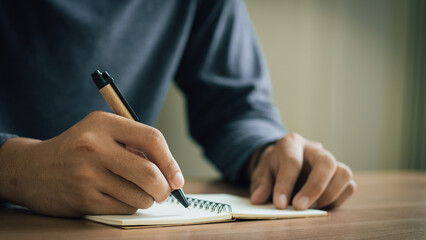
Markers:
(13, 155)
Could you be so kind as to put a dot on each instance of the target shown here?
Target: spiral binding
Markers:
(203, 204)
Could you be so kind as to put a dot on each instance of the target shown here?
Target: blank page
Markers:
(243, 209)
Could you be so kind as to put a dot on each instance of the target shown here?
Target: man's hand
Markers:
(95, 167)
(295, 165)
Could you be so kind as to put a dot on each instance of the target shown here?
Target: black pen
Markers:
(120, 106)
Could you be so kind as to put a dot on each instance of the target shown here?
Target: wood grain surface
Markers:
(387, 205)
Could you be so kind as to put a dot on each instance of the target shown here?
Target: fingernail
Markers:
(178, 180)
(283, 200)
(303, 202)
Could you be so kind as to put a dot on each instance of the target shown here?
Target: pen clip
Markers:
(103, 79)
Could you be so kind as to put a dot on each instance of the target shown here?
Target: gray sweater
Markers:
(49, 48)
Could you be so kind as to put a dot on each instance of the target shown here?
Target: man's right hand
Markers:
(92, 168)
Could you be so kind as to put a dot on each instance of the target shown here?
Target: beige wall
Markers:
(337, 69)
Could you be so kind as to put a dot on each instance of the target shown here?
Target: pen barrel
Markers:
(115, 102)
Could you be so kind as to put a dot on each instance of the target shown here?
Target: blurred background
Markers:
(347, 73)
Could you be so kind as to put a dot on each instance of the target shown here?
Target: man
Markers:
(61, 154)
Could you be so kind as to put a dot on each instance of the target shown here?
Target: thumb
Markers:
(262, 182)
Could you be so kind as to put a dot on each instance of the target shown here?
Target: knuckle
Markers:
(344, 171)
(96, 115)
(351, 187)
(147, 202)
(155, 133)
(328, 160)
(148, 172)
(293, 136)
(171, 167)
(290, 139)
(86, 141)
(317, 145)
(157, 137)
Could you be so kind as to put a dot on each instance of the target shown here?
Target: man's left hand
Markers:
(295, 165)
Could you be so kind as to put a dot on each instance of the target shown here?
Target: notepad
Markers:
(204, 208)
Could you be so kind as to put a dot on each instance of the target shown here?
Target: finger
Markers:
(323, 168)
(137, 170)
(337, 185)
(346, 194)
(137, 152)
(146, 139)
(261, 185)
(109, 205)
(291, 160)
(125, 191)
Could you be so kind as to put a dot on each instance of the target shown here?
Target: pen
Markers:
(120, 106)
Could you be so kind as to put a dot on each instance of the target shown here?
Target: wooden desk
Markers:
(387, 205)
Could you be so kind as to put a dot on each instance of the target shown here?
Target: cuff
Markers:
(6, 136)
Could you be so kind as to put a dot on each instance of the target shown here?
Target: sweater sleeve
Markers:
(227, 88)
(6, 136)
